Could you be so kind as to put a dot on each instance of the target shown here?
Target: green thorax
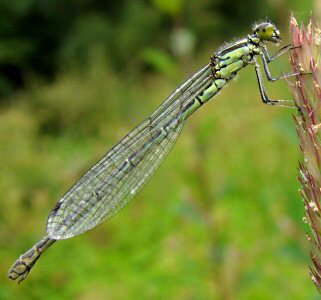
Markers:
(234, 57)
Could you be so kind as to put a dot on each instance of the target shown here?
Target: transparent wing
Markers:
(106, 188)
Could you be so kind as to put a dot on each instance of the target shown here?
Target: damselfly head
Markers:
(267, 31)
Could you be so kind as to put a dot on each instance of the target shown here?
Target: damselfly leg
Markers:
(266, 59)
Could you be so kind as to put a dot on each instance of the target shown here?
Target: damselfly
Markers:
(121, 173)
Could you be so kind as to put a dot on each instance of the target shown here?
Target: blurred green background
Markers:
(221, 219)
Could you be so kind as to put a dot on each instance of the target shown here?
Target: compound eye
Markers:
(267, 32)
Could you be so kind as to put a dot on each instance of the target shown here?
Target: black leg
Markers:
(266, 59)
(277, 53)
(265, 98)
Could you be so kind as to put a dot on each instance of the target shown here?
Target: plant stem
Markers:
(305, 59)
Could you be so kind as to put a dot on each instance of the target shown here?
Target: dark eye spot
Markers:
(264, 29)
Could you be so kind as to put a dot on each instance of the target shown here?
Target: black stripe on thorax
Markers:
(232, 47)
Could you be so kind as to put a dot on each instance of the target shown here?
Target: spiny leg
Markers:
(266, 59)
(265, 98)
(278, 53)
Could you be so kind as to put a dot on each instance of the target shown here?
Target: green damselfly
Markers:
(121, 173)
